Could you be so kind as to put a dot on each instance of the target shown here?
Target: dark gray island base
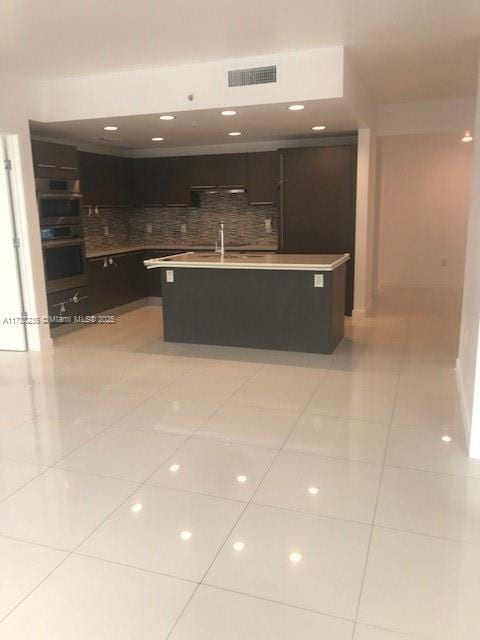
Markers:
(253, 306)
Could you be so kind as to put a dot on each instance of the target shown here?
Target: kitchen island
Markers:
(288, 302)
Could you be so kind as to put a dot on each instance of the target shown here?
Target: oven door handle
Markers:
(49, 244)
(60, 196)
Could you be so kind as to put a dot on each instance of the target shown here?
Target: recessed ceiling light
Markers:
(167, 117)
(185, 535)
(235, 133)
(319, 127)
(467, 137)
(296, 107)
(158, 139)
(239, 545)
(242, 479)
(137, 507)
(174, 468)
(229, 112)
(446, 438)
(295, 557)
(313, 491)
(110, 127)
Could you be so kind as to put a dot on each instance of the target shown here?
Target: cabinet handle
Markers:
(69, 168)
(105, 263)
(42, 165)
(265, 202)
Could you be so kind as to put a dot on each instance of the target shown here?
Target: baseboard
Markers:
(415, 285)
(154, 301)
(463, 405)
(361, 314)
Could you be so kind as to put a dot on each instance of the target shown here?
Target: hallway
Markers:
(152, 490)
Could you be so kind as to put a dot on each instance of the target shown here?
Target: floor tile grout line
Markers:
(278, 602)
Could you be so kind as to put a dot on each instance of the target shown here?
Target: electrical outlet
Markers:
(149, 227)
(318, 279)
(169, 275)
(106, 230)
(183, 228)
(268, 225)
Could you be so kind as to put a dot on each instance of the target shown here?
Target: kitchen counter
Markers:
(205, 260)
(131, 248)
(286, 302)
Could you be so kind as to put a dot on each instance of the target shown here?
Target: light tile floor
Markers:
(162, 491)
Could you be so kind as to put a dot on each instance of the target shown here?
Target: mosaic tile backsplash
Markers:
(244, 223)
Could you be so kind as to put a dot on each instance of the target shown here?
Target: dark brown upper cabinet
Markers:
(57, 161)
(106, 180)
(263, 175)
(148, 181)
(177, 177)
(226, 170)
(204, 171)
(123, 179)
(232, 170)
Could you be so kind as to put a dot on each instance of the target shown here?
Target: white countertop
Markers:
(233, 260)
(97, 252)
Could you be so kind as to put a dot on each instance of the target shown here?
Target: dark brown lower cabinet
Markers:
(65, 306)
(115, 280)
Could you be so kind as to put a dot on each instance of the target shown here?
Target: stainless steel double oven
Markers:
(63, 244)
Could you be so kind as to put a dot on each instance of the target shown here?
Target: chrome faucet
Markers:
(220, 237)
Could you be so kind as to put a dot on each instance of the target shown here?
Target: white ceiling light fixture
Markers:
(158, 139)
(185, 535)
(110, 127)
(319, 127)
(467, 137)
(239, 545)
(167, 117)
(295, 557)
(228, 112)
(137, 507)
(296, 107)
(241, 479)
(235, 133)
(446, 438)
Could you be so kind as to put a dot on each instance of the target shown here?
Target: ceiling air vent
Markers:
(256, 75)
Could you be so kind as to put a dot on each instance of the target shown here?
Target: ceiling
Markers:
(205, 127)
(406, 50)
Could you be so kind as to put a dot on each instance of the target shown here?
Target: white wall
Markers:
(468, 364)
(20, 101)
(365, 222)
(424, 187)
(303, 75)
(433, 116)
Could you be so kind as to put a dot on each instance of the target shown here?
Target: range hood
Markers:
(220, 188)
